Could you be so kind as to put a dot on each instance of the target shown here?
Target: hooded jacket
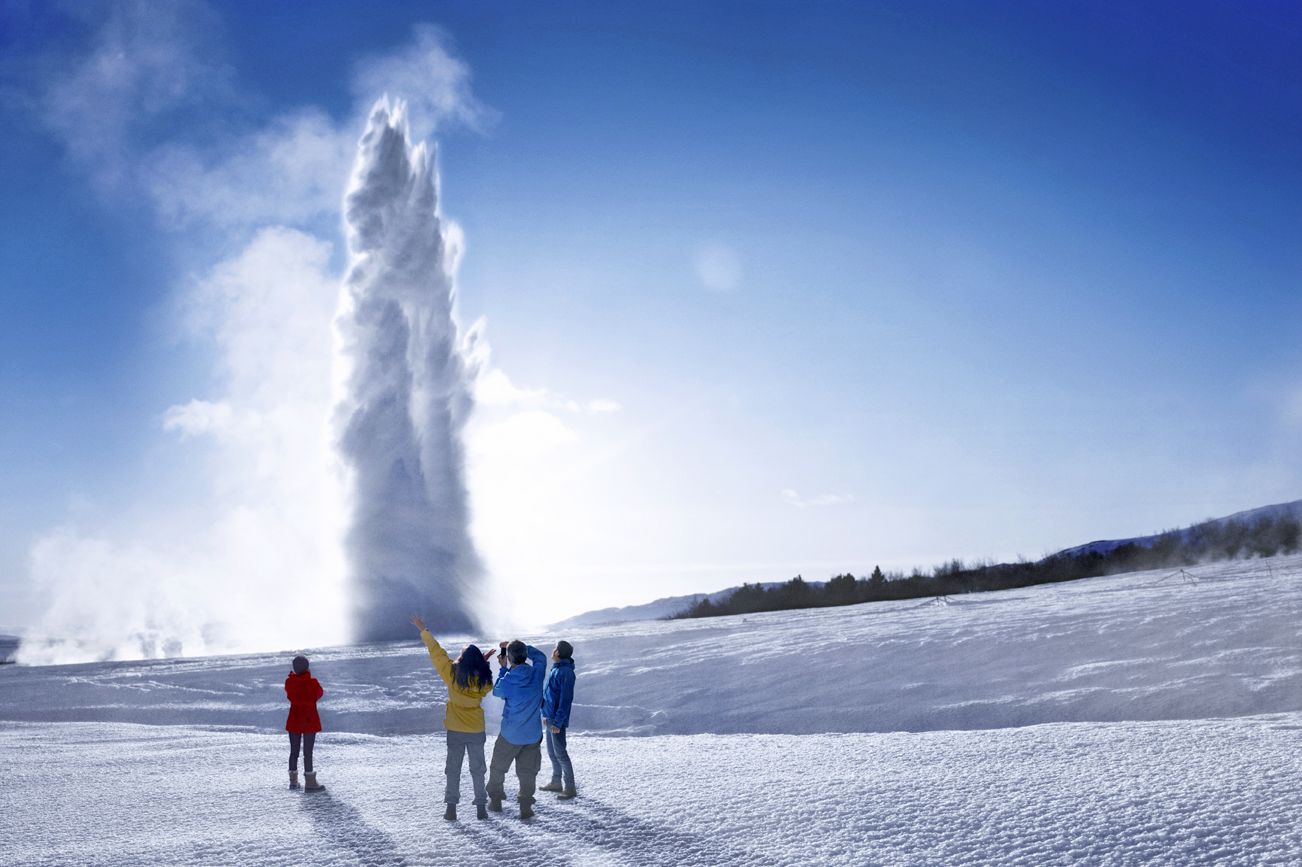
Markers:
(464, 712)
(521, 687)
(303, 690)
(559, 693)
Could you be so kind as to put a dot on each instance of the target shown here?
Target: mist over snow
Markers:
(214, 575)
(407, 394)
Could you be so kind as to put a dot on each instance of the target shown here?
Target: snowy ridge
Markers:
(668, 606)
(1248, 516)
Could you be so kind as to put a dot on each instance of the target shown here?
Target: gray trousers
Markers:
(460, 743)
(528, 762)
(560, 756)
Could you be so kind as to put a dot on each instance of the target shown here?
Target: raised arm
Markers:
(438, 656)
(538, 659)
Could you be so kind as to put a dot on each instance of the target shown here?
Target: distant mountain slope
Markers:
(1248, 516)
(657, 610)
(672, 605)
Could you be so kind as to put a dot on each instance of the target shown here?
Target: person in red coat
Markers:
(303, 723)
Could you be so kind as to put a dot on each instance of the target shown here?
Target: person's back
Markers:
(465, 711)
(520, 686)
(303, 690)
(468, 680)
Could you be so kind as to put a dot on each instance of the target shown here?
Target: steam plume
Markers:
(406, 393)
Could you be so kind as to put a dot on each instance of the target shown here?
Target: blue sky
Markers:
(851, 283)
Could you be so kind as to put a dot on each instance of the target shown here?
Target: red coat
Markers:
(303, 691)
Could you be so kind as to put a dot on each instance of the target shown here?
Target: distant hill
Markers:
(657, 610)
(1067, 564)
(1291, 510)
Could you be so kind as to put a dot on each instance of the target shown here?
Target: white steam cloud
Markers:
(256, 560)
(407, 394)
(246, 542)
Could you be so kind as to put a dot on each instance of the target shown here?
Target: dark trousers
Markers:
(528, 761)
(560, 756)
(308, 740)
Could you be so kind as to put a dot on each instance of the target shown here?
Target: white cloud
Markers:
(144, 60)
(272, 515)
(718, 267)
(795, 499)
(602, 406)
(434, 83)
(199, 417)
(493, 388)
(291, 173)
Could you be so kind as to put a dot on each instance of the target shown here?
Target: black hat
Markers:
(300, 664)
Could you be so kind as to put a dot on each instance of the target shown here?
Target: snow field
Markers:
(1150, 718)
(1127, 647)
(1205, 792)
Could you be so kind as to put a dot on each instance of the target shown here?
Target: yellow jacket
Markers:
(463, 713)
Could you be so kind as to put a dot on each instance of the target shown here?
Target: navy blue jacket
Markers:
(559, 693)
(521, 687)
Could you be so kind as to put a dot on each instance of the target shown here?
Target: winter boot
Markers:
(553, 786)
(526, 811)
(293, 779)
(310, 784)
(450, 813)
(567, 795)
(481, 812)
(495, 804)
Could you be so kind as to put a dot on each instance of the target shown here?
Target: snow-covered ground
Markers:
(1145, 718)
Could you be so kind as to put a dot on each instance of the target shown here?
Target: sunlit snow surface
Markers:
(1145, 718)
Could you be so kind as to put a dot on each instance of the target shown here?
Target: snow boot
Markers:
(567, 795)
(310, 784)
(293, 780)
(481, 812)
(495, 804)
(553, 786)
(450, 813)
(526, 811)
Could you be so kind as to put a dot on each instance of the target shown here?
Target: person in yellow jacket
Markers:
(469, 679)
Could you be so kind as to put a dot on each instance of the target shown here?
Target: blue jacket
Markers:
(559, 693)
(521, 687)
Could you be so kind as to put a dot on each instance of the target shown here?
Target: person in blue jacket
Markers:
(520, 685)
(558, 695)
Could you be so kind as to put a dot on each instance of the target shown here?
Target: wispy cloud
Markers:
(718, 267)
(137, 62)
(434, 82)
(494, 388)
(793, 498)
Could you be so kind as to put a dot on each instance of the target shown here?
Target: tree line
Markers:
(1202, 543)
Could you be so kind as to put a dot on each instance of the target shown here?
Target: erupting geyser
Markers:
(407, 393)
